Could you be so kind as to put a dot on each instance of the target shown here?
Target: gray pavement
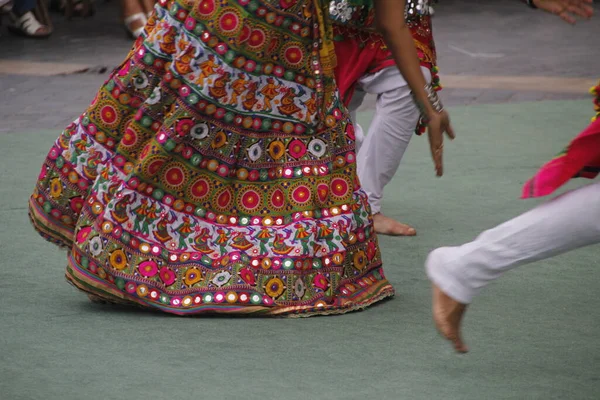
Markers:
(505, 37)
(483, 38)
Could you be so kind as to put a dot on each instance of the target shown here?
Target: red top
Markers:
(361, 52)
(580, 159)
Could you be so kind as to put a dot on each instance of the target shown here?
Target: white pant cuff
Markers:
(441, 274)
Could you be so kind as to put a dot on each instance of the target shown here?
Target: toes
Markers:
(453, 336)
(410, 231)
(460, 347)
(42, 31)
(388, 226)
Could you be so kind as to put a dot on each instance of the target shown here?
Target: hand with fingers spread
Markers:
(568, 10)
(438, 125)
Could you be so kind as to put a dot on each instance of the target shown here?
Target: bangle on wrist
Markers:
(434, 100)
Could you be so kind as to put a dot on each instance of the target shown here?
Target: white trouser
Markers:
(565, 223)
(396, 117)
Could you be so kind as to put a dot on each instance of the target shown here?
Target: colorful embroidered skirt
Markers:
(580, 159)
(214, 172)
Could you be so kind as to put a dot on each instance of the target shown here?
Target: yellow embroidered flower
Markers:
(55, 188)
(118, 259)
(360, 260)
(276, 149)
(192, 276)
(219, 140)
(274, 287)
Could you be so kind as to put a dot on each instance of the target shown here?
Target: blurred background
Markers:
(55, 55)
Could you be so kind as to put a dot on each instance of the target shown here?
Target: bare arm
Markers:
(389, 16)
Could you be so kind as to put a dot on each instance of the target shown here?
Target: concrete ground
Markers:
(515, 81)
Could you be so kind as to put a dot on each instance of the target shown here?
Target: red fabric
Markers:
(580, 159)
(364, 52)
(355, 59)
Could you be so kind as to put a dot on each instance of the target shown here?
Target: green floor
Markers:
(534, 334)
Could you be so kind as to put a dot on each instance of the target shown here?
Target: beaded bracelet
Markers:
(433, 98)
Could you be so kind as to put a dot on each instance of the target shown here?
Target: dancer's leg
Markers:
(393, 125)
(565, 223)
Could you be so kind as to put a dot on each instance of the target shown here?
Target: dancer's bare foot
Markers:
(447, 315)
(388, 226)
